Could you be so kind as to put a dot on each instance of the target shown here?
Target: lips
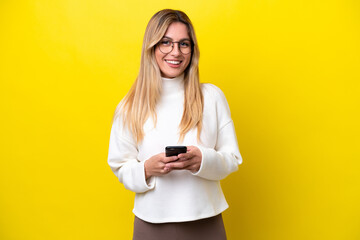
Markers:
(173, 63)
(176, 62)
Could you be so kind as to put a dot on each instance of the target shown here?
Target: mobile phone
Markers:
(174, 150)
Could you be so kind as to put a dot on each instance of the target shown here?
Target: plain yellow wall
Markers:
(289, 69)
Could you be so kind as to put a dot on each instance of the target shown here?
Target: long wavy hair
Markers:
(140, 102)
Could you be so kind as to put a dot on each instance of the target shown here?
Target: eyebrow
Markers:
(179, 40)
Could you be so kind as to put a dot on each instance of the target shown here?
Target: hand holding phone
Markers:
(190, 160)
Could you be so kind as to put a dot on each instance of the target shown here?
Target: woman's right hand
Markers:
(155, 166)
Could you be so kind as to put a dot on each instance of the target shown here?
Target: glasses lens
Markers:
(165, 46)
(185, 47)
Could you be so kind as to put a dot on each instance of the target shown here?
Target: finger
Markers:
(170, 159)
(195, 151)
(177, 165)
(190, 148)
(166, 169)
(185, 156)
(193, 168)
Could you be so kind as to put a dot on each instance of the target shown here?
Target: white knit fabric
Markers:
(180, 195)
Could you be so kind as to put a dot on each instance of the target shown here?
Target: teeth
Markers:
(173, 62)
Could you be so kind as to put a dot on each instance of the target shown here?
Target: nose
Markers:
(175, 50)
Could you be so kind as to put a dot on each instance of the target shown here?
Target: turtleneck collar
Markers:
(172, 85)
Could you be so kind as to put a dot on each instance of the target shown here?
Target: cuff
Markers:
(150, 183)
(206, 156)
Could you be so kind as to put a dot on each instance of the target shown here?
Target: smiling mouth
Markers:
(173, 62)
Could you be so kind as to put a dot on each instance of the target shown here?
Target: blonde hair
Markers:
(140, 102)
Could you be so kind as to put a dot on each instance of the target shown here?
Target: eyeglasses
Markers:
(166, 46)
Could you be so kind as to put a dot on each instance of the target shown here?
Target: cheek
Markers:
(158, 57)
(187, 61)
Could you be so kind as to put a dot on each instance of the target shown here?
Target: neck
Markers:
(172, 86)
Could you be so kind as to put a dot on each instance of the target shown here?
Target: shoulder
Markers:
(121, 128)
(211, 90)
(213, 93)
(215, 98)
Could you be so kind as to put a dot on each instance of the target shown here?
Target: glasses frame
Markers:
(172, 47)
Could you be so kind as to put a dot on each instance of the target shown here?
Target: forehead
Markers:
(177, 31)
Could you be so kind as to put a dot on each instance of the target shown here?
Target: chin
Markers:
(171, 75)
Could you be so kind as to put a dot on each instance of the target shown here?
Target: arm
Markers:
(218, 163)
(224, 158)
(123, 161)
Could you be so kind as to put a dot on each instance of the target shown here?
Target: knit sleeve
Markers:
(218, 162)
(123, 161)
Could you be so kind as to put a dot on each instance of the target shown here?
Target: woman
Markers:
(177, 197)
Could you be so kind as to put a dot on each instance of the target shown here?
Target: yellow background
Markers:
(289, 69)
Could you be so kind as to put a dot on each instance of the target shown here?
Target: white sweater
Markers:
(180, 195)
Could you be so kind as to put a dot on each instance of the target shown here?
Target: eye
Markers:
(185, 44)
(165, 42)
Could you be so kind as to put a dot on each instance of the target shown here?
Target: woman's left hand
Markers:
(191, 160)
